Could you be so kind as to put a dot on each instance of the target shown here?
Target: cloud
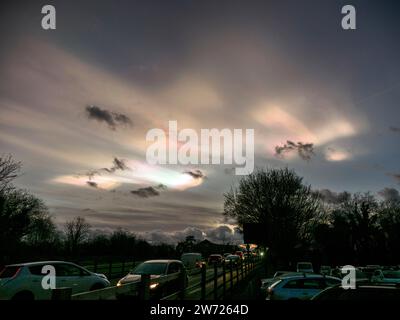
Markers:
(390, 194)
(113, 119)
(92, 184)
(329, 196)
(395, 176)
(118, 164)
(195, 174)
(149, 191)
(334, 154)
(224, 234)
(304, 150)
(221, 235)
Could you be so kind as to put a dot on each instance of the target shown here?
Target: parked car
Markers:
(24, 281)
(305, 267)
(215, 259)
(299, 287)
(239, 253)
(325, 270)
(266, 282)
(226, 254)
(386, 276)
(366, 292)
(156, 269)
(192, 261)
(232, 259)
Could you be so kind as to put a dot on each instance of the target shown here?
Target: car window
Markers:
(68, 270)
(293, 284)
(9, 272)
(312, 284)
(331, 282)
(36, 270)
(173, 268)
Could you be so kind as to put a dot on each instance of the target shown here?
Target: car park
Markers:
(299, 287)
(24, 281)
(157, 269)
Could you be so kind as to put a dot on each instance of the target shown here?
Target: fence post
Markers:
(223, 280)
(123, 267)
(215, 281)
(110, 270)
(203, 282)
(237, 273)
(61, 294)
(144, 288)
(183, 283)
(231, 275)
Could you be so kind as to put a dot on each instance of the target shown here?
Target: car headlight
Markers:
(154, 285)
(119, 284)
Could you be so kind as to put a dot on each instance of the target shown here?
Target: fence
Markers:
(214, 282)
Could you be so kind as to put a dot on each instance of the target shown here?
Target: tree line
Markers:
(299, 223)
(302, 223)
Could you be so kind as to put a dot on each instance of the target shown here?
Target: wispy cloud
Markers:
(112, 119)
(92, 184)
(148, 191)
(304, 150)
(195, 174)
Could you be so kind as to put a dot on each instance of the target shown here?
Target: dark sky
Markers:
(283, 68)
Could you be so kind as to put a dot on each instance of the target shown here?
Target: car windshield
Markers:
(8, 272)
(150, 268)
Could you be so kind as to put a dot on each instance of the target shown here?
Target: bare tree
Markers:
(9, 169)
(76, 232)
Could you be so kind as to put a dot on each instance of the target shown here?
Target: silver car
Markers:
(299, 287)
(24, 281)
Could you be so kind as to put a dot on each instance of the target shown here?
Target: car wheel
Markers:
(23, 296)
(97, 286)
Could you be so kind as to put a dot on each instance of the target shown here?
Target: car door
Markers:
(70, 276)
(35, 283)
(310, 287)
(174, 285)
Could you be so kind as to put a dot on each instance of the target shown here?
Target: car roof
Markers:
(307, 276)
(162, 261)
(28, 264)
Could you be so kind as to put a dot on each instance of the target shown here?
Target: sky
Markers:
(77, 102)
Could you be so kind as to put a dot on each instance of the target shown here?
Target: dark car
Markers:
(215, 259)
(158, 269)
(366, 292)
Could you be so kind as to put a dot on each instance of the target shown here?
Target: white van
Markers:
(192, 260)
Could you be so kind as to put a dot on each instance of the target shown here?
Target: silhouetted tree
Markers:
(76, 232)
(278, 199)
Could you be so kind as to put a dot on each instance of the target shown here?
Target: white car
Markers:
(299, 287)
(24, 281)
(305, 267)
